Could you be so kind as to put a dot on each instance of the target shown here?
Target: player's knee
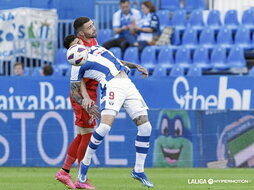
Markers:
(140, 118)
(108, 116)
(83, 131)
(145, 129)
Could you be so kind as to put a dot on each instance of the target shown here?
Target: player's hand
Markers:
(87, 103)
(143, 71)
(94, 112)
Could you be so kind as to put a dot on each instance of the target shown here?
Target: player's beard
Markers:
(88, 36)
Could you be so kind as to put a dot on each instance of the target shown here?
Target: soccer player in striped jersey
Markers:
(117, 91)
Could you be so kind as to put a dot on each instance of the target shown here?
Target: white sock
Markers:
(142, 145)
(95, 141)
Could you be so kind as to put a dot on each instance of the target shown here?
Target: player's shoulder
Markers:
(117, 13)
(135, 11)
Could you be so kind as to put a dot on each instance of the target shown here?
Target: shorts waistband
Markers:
(121, 74)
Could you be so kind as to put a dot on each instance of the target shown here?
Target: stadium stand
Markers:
(183, 58)
(194, 71)
(219, 59)
(190, 38)
(201, 58)
(176, 71)
(170, 5)
(164, 19)
(116, 51)
(214, 20)
(207, 38)
(196, 20)
(104, 35)
(231, 19)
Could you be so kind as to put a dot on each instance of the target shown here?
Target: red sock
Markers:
(83, 145)
(72, 153)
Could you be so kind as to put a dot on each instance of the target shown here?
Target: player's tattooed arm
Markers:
(143, 70)
(75, 89)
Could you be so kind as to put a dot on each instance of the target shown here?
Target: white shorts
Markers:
(122, 92)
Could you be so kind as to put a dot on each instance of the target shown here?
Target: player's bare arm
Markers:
(87, 103)
(143, 70)
(75, 93)
(75, 89)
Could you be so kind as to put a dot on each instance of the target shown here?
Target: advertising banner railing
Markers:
(21, 25)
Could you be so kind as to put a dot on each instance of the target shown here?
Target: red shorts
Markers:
(82, 118)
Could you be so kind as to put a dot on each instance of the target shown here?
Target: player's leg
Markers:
(86, 134)
(63, 174)
(111, 101)
(107, 119)
(137, 110)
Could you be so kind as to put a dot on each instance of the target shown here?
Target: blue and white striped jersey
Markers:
(101, 65)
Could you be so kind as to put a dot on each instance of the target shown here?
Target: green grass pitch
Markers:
(119, 179)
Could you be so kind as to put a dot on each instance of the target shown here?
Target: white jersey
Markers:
(101, 65)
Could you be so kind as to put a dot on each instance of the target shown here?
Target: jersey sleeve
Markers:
(154, 22)
(76, 73)
(116, 20)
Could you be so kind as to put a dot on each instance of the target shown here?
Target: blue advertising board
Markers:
(192, 93)
(196, 123)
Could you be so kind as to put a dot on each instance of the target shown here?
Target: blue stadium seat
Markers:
(182, 58)
(206, 38)
(26, 71)
(194, 71)
(170, 5)
(194, 4)
(196, 20)
(148, 57)
(116, 51)
(104, 35)
(242, 38)
(201, 58)
(218, 58)
(160, 72)
(189, 39)
(165, 58)
(179, 20)
(231, 20)
(251, 71)
(58, 71)
(36, 72)
(248, 19)
(176, 71)
(224, 37)
(164, 20)
(214, 20)
(61, 56)
(236, 58)
(131, 54)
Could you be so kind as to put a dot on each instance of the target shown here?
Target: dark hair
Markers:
(19, 63)
(79, 22)
(47, 70)
(68, 39)
(149, 5)
(123, 1)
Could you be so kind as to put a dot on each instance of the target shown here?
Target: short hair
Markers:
(79, 22)
(150, 6)
(47, 70)
(19, 63)
(68, 40)
(123, 1)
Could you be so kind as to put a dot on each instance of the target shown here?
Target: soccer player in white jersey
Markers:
(117, 91)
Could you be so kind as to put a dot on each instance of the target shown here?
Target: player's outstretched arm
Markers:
(143, 70)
